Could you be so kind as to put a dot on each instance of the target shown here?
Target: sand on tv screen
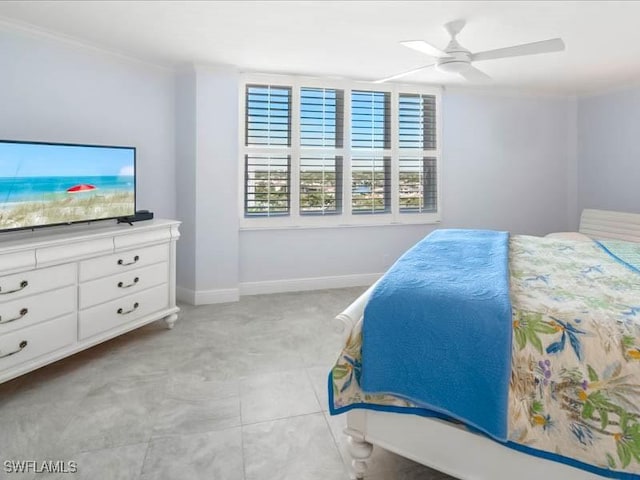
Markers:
(49, 184)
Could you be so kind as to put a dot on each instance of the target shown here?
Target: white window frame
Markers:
(346, 218)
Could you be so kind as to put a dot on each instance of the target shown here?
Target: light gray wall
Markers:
(609, 151)
(573, 212)
(268, 255)
(216, 180)
(207, 185)
(186, 177)
(53, 91)
(505, 162)
(505, 166)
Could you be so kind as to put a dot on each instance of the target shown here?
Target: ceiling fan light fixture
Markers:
(454, 66)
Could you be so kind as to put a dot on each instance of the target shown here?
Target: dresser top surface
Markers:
(23, 240)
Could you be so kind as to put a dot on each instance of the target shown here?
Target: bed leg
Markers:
(360, 452)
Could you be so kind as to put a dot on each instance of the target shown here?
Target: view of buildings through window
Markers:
(320, 147)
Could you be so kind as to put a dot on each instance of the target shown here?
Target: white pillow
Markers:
(575, 236)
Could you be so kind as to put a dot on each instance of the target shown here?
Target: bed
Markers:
(441, 442)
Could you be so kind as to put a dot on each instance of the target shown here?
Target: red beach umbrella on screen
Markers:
(83, 187)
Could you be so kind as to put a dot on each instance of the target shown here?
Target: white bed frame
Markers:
(450, 448)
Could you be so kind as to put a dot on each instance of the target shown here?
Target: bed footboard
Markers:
(347, 319)
(359, 449)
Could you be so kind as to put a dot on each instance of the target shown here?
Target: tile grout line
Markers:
(165, 392)
(281, 418)
(335, 443)
(144, 458)
(244, 460)
(113, 447)
(313, 388)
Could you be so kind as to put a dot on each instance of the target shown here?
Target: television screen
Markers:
(50, 183)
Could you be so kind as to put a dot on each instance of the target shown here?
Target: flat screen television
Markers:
(43, 184)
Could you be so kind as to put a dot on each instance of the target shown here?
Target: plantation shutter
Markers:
(348, 150)
(267, 189)
(268, 115)
(371, 173)
(417, 133)
(417, 118)
(321, 117)
(267, 185)
(321, 135)
(370, 184)
(370, 119)
(418, 187)
(320, 185)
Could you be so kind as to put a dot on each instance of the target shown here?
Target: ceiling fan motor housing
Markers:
(455, 62)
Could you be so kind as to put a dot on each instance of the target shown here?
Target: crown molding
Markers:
(10, 24)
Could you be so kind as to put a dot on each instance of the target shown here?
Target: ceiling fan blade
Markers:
(408, 72)
(545, 46)
(424, 47)
(474, 75)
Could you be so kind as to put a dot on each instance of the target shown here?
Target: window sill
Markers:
(268, 225)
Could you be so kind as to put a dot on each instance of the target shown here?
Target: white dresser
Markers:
(63, 290)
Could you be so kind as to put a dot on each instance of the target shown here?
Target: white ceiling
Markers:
(356, 39)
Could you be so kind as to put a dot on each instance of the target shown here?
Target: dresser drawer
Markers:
(18, 261)
(26, 283)
(32, 342)
(121, 284)
(33, 309)
(102, 318)
(123, 261)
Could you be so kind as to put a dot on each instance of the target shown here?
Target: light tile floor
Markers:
(233, 392)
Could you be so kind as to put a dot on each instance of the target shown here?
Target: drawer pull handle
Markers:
(122, 285)
(135, 260)
(23, 344)
(23, 312)
(23, 284)
(125, 312)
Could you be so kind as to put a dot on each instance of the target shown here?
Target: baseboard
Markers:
(225, 295)
(206, 297)
(303, 284)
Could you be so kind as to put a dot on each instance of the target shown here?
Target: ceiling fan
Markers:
(458, 60)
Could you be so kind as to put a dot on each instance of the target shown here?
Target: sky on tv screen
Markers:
(35, 160)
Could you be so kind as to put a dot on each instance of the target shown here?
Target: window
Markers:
(268, 110)
(370, 184)
(320, 185)
(321, 140)
(370, 120)
(417, 121)
(321, 117)
(418, 185)
(267, 185)
(267, 175)
(333, 153)
(417, 137)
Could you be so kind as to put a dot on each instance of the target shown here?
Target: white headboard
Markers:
(606, 224)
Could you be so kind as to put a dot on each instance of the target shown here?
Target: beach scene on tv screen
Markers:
(52, 184)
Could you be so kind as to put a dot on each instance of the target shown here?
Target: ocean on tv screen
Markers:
(54, 200)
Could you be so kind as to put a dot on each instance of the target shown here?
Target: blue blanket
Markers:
(437, 328)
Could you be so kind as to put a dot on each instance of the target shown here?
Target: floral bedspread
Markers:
(575, 379)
